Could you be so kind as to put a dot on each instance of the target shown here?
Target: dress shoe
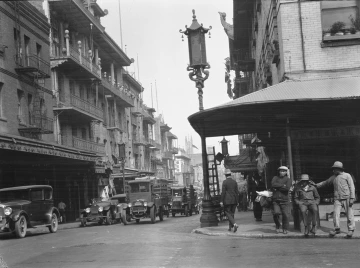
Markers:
(350, 234)
(235, 227)
(335, 232)
(313, 230)
(285, 231)
(278, 231)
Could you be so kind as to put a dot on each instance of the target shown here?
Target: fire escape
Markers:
(34, 70)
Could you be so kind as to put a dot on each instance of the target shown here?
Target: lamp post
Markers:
(197, 55)
(197, 67)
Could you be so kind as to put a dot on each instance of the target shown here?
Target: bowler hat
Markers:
(283, 168)
(304, 177)
(338, 165)
(227, 172)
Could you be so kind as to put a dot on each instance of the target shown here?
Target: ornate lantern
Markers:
(197, 55)
(224, 147)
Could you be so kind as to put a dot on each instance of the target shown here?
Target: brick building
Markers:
(70, 114)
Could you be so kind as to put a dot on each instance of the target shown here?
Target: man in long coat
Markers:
(230, 198)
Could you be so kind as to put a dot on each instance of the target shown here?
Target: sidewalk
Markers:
(250, 228)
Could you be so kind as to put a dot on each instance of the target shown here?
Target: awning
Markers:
(243, 162)
(307, 104)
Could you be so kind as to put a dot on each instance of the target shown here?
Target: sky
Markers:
(150, 35)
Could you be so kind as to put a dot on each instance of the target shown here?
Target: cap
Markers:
(227, 172)
(338, 165)
(283, 168)
(304, 177)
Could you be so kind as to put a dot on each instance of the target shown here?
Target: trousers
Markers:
(281, 208)
(338, 204)
(230, 212)
(304, 207)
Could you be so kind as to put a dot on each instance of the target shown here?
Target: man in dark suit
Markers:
(230, 198)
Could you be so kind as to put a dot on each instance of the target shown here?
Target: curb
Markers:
(267, 236)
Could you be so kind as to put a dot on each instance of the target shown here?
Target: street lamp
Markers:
(197, 55)
(197, 67)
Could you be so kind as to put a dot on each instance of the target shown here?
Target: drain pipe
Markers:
(302, 36)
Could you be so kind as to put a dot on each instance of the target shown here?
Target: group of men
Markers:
(305, 195)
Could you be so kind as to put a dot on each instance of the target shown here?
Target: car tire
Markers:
(137, 220)
(173, 214)
(161, 214)
(21, 227)
(123, 217)
(190, 212)
(152, 214)
(100, 222)
(186, 211)
(54, 223)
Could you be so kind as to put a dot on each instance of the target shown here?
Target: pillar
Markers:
(208, 217)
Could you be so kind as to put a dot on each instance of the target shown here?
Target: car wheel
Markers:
(82, 222)
(100, 222)
(123, 217)
(21, 227)
(161, 214)
(190, 212)
(54, 223)
(137, 220)
(152, 214)
(173, 214)
(186, 211)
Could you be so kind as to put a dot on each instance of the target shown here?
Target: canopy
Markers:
(313, 103)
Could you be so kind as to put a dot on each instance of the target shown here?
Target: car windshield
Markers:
(140, 187)
(6, 196)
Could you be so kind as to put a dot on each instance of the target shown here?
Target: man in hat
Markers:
(344, 196)
(308, 199)
(230, 198)
(281, 185)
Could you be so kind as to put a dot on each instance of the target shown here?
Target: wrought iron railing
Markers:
(86, 106)
(41, 121)
(119, 91)
(81, 144)
(33, 63)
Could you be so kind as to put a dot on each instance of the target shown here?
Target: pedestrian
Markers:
(308, 199)
(344, 196)
(281, 185)
(230, 199)
(61, 207)
(256, 183)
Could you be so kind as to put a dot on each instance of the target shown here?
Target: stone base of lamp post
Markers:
(208, 217)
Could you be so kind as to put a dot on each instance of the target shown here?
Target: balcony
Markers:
(137, 85)
(139, 140)
(81, 144)
(123, 95)
(154, 145)
(33, 65)
(147, 117)
(167, 155)
(136, 111)
(82, 107)
(71, 60)
(244, 61)
(38, 124)
(174, 150)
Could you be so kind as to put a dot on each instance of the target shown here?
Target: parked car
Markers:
(101, 211)
(149, 199)
(26, 207)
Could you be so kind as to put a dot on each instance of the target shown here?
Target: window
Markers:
(36, 194)
(83, 133)
(30, 107)
(20, 95)
(47, 194)
(38, 54)
(1, 101)
(27, 50)
(74, 131)
(335, 11)
(72, 87)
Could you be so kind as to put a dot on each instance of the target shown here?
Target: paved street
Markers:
(170, 244)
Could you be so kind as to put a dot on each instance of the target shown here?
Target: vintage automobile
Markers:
(101, 211)
(26, 207)
(183, 201)
(149, 199)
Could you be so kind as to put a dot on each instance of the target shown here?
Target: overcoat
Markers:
(230, 192)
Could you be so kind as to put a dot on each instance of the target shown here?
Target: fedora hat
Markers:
(304, 177)
(338, 165)
(227, 172)
(283, 168)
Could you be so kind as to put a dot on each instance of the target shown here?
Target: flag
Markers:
(195, 147)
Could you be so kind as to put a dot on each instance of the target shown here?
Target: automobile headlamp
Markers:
(100, 209)
(7, 211)
(145, 204)
(129, 205)
(87, 210)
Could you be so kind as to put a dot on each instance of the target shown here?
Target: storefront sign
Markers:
(317, 133)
